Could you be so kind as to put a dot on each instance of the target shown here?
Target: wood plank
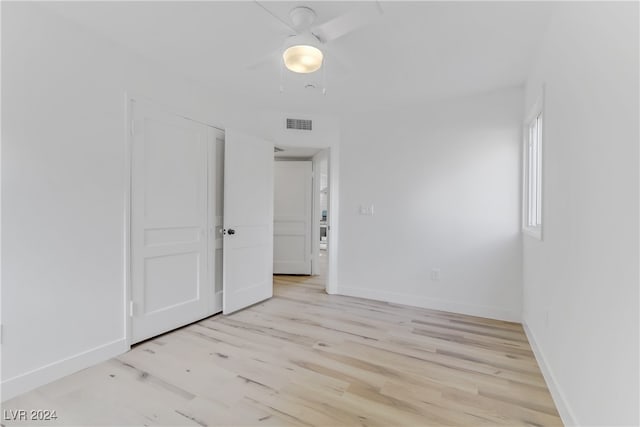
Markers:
(307, 358)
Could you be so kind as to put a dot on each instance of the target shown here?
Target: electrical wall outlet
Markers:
(435, 274)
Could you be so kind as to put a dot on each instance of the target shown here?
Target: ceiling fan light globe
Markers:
(303, 58)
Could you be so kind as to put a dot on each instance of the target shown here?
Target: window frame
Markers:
(532, 170)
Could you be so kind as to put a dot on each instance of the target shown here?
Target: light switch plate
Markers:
(366, 210)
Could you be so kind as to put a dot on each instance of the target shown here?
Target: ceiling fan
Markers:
(305, 50)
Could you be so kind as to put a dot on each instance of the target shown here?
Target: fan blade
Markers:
(269, 59)
(286, 24)
(349, 22)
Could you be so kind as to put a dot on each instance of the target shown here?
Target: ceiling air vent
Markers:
(299, 124)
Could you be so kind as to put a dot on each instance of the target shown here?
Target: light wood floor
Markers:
(308, 358)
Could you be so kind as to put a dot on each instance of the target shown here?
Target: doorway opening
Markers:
(301, 216)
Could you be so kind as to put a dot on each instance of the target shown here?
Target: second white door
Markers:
(248, 221)
(292, 217)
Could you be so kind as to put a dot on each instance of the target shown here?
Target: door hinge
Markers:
(131, 308)
(131, 128)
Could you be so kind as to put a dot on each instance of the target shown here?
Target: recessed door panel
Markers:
(161, 273)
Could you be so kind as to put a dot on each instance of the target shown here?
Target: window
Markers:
(532, 168)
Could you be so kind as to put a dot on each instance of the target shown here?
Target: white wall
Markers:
(63, 183)
(581, 281)
(444, 180)
(63, 176)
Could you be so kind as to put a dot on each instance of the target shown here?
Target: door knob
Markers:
(231, 231)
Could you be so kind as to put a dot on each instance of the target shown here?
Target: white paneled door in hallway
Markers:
(292, 217)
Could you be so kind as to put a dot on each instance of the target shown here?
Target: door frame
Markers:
(316, 200)
(129, 99)
(333, 159)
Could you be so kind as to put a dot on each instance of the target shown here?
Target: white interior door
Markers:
(292, 217)
(248, 221)
(171, 285)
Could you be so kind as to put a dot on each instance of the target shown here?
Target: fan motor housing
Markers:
(302, 17)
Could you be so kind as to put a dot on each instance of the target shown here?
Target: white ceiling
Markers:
(412, 53)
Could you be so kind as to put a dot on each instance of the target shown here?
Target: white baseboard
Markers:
(566, 413)
(432, 303)
(23, 383)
